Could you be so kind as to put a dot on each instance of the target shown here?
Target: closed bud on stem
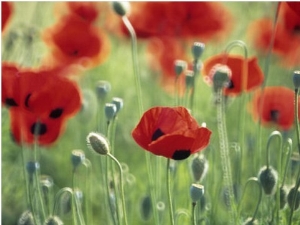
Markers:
(118, 102)
(199, 167)
(293, 198)
(268, 178)
(102, 89)
(196, 192)
(110, 111)
(180, 67)
(283, 197)
(121, 8)
(296, 78)
(26, 218)
(98, 143)
(220, 76)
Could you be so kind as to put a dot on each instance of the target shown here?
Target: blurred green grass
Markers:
(118, 70)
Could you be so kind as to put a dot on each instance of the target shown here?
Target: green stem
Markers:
(296, 111)
(288, 158)
(194, 221)
(77, 203)
(121, 186)
(225, 158)
(169, 192)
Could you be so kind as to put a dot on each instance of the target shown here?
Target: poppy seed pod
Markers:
(98, 143)
(77, 157)
(268, 178)
(118, 102)
(102, 88)
(180, 67)
(296, 78)
(26, 218)
(220, 76)
(121, 8)
(293, 198)
(197, 49)
(53, 220)
(199, 167)
(110, 111)
(196, 192)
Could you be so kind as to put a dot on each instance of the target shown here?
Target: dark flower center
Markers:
(10, 102)
(27, 100)
(181, 154)
(230, 85)
(38, 128)
(296, 29)
(274, 115)
(56, 113)
(158, 133)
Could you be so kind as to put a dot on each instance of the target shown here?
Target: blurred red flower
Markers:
(6, 11)
(180, 19)
(76, 41)
(235, 63)
(286, 36)
(277, 106)
(170, 132)
(88, 11)
(37, 96)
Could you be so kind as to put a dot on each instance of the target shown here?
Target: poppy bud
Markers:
(268, 178)
(293, 198)
(146, 208)
(98, 143)
(250, 221)
(118, 102)
(196, 192)
(110, 111)
(197, 49)
(189, 79)
(102, 88)
(180, 67)
(77, 157)
(221, 76)
(296, 78)
(53, 220)
(26, 218)
(121, 8)
(199, 167)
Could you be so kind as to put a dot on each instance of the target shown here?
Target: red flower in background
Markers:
(76, 41)
(179, 19)
(170, 132)
(277, 107)
(6, 11)
(88, 11)
(235, 63)
(286, 39)
(42, 96)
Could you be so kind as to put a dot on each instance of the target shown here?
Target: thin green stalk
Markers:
(88, 208)
(169, 192)
(77, 203)
(121, 186)
(225, 158)
(140, 106)
(296, 111)
(194, 220)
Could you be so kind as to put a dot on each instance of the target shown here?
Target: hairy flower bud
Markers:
(199, 167)
(98, 143)
(53, 220)
(293, 198)
(268, 178)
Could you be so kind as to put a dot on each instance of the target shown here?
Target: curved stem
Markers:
(121, 186)
(169, 192)
(273, 135)
(289, 142)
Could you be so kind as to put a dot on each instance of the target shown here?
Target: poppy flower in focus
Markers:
(161, 54)
(170, 132)
(235, 63)
(277, 106)
(42, 96)
(6, 11)
(286, 37)
(179, 19)
(75, 41)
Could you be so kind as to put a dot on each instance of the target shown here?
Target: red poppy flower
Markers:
(235, 63)
(6, 11)
(75, 41)
(170, 132)
(9, 85)
(277, 107)
(86, 10)
(286, 39)
(295, 6)
(179, 19)
(25, 124)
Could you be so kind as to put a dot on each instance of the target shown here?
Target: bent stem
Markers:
(169, 192)
(121, 186)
